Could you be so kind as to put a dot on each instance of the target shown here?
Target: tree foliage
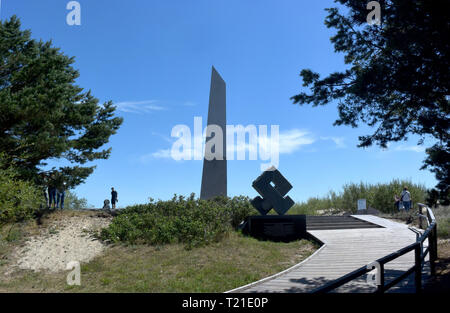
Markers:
(397, 80)
(43, 113)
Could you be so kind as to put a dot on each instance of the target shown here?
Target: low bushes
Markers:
(18, 198)
(190, 221)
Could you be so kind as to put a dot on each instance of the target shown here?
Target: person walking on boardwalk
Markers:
(406, 199)
(113, 198)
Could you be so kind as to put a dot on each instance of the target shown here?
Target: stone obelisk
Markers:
(214, 178)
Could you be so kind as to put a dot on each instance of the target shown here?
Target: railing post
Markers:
(418, 268)
(432, 241)
(435, 239)
(380, 287)
(420, 216)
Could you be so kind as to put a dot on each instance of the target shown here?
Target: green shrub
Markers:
(190, 221)
(18, 198)
(73, 202)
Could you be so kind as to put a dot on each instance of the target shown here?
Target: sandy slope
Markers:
(64, 241)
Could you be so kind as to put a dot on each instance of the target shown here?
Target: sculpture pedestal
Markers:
(276, 228)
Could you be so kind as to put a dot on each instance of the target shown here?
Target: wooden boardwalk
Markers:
(343, 251)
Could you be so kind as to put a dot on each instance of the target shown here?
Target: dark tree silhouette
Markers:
(397, 79)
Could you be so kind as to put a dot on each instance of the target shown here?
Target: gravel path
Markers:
(64, 241)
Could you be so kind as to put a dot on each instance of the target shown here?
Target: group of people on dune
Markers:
(54, 190)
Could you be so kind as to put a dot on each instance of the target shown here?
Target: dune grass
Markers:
(442, 215)
(379, 196)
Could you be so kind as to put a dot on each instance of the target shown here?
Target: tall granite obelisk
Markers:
(214, 179)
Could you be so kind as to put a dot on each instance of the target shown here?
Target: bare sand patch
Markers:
(64, 241)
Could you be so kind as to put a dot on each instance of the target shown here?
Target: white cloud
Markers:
(164, 137)
(339, 141)
(293, 139)
(417, 149)
(161, 154)
(140, 107)
(289, 142)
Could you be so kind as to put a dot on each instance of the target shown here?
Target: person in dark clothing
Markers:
(52, 191)
(45, 189)
(113, 198)
(60, 195)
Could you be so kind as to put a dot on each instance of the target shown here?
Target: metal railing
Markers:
(430, 233)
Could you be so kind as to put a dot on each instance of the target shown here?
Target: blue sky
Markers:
(154, 58)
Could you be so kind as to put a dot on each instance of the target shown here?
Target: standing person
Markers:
(113, 198)
(52, 191)
(61, 194)
(45, 190)
(406, 199)
(397, 202)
